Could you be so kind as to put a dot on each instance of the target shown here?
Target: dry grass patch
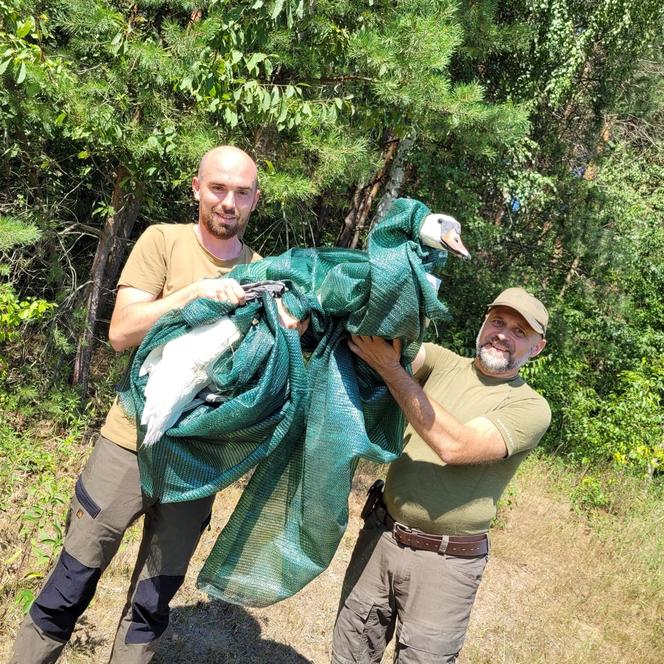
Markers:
(564, 587)
(560, 587)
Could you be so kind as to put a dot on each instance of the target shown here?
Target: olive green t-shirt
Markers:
(165, 259)
(421, 490)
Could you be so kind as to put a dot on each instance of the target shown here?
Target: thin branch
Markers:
(82, 229)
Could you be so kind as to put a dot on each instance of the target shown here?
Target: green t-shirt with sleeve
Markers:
(423, 492)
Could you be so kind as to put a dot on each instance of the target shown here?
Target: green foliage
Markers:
(40, 452)
(14, 232)
(536, 122)
(589, 495)
(14, 312)
(623, 427)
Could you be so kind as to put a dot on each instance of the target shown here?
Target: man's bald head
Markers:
(231, 158)
(226, 189)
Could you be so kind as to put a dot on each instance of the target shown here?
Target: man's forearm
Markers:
(448, 438)
(131, 321)
(137, 311)
(477, 441)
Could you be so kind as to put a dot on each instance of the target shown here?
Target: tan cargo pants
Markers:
(107, 500)
(422, 598)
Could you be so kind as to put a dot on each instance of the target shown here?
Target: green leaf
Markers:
(266, 101)
(4, 65)
(24, 28)
(21, 73)
(277, 9)
(230, 117)
(24, 599)
(34, 575)
(254, 60)
(284, 111)
(32, 89)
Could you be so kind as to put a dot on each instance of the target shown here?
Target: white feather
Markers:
(178, 371)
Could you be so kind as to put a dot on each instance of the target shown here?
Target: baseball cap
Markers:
(527, 305)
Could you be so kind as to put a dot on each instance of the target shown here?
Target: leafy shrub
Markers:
(15, 312)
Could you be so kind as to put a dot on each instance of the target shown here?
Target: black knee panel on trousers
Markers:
(149, 608)
(67, 593)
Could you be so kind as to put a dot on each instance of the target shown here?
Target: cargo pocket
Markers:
(421, 643)
(85, 500)
(363, 630)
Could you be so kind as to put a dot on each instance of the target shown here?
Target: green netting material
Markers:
(303, 425)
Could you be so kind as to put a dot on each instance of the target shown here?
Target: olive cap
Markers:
(527, 305)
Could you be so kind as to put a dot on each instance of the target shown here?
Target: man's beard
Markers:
(220, 230)
(495, 362)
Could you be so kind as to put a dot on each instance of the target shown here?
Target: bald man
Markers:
(170, 265)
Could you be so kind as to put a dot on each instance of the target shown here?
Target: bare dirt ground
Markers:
(554, 591)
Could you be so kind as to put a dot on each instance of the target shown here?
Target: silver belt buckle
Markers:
(399, 530)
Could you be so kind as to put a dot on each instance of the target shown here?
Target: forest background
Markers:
(537, 123)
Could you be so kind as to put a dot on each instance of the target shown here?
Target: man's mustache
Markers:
(503, 345)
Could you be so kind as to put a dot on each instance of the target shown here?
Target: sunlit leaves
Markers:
(14, 232)
(15, 312)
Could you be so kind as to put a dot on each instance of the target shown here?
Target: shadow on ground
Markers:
(218, 633)
(87, 641)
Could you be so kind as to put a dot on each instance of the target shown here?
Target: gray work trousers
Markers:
(107, 500)
(422, 598)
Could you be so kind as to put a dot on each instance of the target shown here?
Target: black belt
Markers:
(465, 546)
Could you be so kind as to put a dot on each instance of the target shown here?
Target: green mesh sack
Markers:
(302, 425)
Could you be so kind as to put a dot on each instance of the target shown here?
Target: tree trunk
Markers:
(363, 198)
(121, 241)
(322, 217)
(110, 251)
(348, 228)
(604, 137)
(571, 273)
(395, 179)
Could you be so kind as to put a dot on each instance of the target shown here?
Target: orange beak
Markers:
(452, 242)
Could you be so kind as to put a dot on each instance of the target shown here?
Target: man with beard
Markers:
(420, 557)
(170, 266)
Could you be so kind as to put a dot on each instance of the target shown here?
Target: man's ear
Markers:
(196, 185)
(537, 348)
(257, 196)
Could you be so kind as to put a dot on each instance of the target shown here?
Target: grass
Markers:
(571, 584)
(38, 466)
(575, 573)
